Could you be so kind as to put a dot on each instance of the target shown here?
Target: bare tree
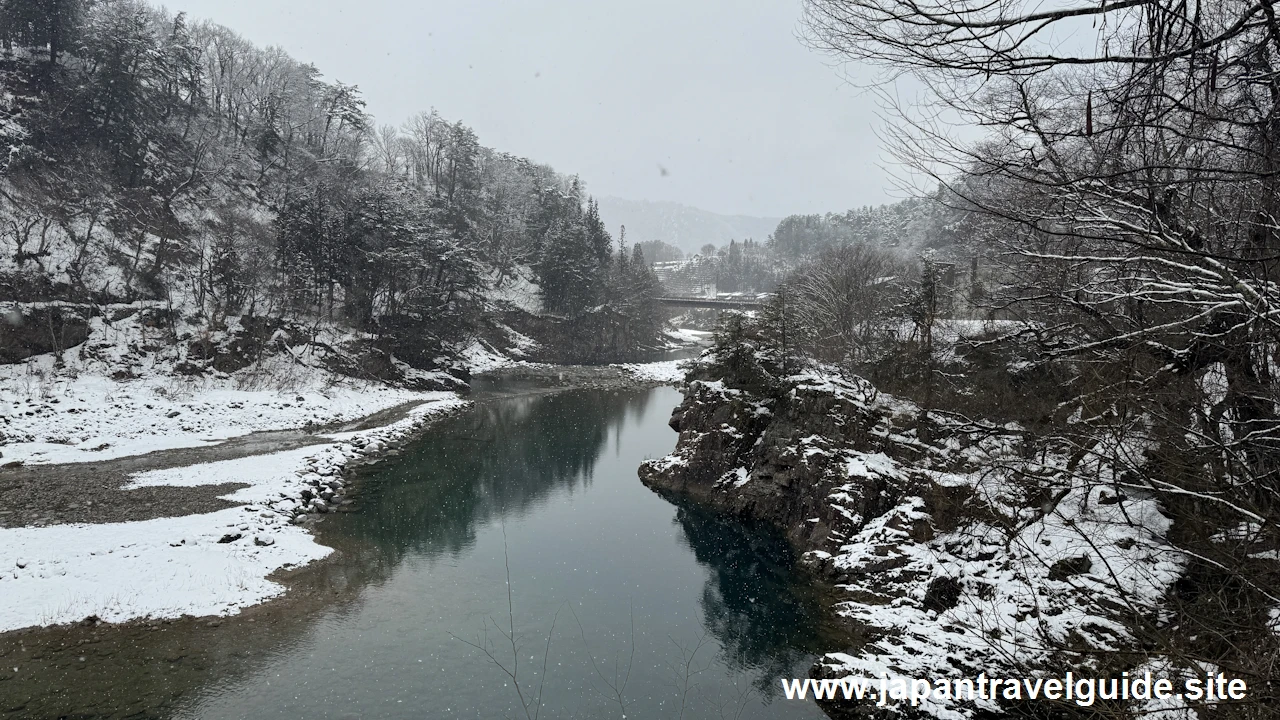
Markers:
(846, 301)
(388, 149)
(1129, 176)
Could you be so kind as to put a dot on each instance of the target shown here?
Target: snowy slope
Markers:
(70, 406)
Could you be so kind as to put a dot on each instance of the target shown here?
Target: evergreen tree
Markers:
(644, 314)
(597, 236)
(781, 331)
(567, 268)
(737, 355)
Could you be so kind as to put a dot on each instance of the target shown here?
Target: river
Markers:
(655, 609)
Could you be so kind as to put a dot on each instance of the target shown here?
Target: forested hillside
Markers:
(910, 225)
(939, 227)
(233, 188)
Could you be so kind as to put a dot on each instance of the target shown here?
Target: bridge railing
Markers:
(725, 303)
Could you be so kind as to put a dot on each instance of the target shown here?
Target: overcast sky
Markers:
(720, 93)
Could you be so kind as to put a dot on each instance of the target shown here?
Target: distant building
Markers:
(695, 277)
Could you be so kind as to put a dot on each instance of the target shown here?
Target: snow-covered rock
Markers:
(953, 553)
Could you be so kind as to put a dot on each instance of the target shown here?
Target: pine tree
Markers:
(737, 352)
(568, 270)
(597, 237)
(780, 330)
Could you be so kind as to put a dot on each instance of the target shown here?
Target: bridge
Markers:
(712, 303)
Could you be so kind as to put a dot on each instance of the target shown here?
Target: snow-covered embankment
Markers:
(205, 564)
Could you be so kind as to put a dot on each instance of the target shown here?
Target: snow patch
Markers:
(667, 371)
(206, 564)
(160, 568)
(68, 407)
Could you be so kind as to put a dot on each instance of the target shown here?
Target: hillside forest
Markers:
(238, 192)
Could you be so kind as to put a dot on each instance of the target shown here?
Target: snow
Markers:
(864, 465)
(1013, 605)
(521, 344)
(521, 292)
(91, 417)
(1214, 383)
(951, 330)
(689, 336)
(169, 567)
(155, 568)
(666, 371)
(67, 408)
(480, 359)
(956, 511)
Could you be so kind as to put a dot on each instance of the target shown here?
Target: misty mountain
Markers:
(687, 228)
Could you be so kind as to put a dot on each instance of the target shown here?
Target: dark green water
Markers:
(701, 610)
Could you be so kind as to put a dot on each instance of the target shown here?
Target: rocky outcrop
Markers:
(36, 328)
(786, 459)
(953, 553)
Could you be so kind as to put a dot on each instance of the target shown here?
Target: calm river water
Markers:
(661, 610)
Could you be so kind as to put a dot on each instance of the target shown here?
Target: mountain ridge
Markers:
(685, 226)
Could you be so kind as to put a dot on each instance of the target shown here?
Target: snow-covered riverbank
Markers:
(71, 417)
(203, 564)
(131, 388)
(669, 372)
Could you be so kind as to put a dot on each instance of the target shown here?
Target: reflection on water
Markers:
(672, 605)
(762, 631)
(505, 456)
